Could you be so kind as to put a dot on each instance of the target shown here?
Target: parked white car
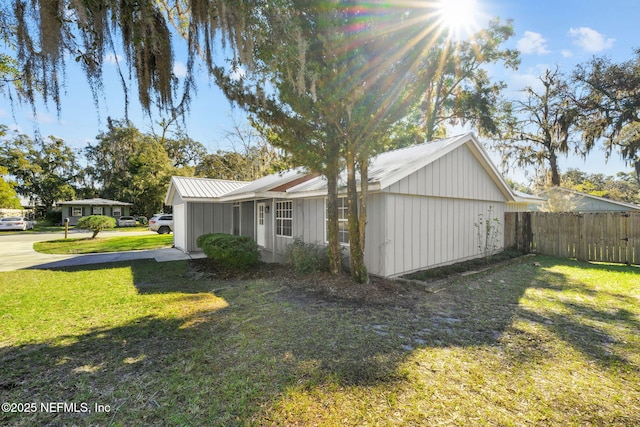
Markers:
(162, 223)
(16, 223)
(126, 221)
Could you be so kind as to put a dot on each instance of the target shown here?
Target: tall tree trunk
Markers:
(358, 269)
(364, 193)
(553, 165)
(335, 257)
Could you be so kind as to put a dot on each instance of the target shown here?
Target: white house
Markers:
(423, 206)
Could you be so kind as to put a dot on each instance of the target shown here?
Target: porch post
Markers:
(273, 230)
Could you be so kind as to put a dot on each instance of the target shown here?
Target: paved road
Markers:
(16, 252)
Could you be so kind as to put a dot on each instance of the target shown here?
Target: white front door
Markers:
(261, 227)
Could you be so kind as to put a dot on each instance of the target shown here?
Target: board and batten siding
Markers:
(376, 238)
(247, 215)
(309, 220)
(431, 214)
(308, 224)
(458, 174)
(426, 232)
(205, 218)
(179, 227)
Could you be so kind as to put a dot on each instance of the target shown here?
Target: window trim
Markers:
(96, 209)
(282, 208)
(345, 220)
(116, 211)
(75, 210)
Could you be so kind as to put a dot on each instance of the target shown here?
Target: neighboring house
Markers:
(560, 199)
(524, 202)
(76, 209)
(423, 206)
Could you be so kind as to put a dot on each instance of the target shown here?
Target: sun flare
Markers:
(459, 17)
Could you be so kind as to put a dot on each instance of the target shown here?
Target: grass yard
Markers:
(169, 344)
(104, 244)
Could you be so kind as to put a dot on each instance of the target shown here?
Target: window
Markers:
(96, 210)
(343, 225)
(77, 211)
(261, 214)
(117, 211)
(284, 219)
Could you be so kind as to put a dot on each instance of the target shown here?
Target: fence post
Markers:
(527, 232)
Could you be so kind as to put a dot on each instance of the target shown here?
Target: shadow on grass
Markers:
(225, 367)
(584, 317)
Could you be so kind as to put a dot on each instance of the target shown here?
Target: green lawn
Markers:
(104, 244)
(165, 344)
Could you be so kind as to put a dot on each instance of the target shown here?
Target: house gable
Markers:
(199, 189)
(459, 174)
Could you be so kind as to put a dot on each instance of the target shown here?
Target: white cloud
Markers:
(566, 53)
(179, 70)
(43, 118)
(532, 43)
(590, 40)
(110, 58)
(522, 79)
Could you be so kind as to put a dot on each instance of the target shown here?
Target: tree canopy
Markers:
(43, 34)
(545, 127)
(622, 187)
(8, 196)
(44, 168)
(610, 97)
(459, 90)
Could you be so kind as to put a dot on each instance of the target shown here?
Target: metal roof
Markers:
(390, 167)
(526, 198)
(203, 188)
(95, 202)
(384, 170)
(266, 183)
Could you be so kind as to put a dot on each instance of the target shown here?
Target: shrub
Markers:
(306, 258)
(231, 252)
(53, 217)
(96, 223)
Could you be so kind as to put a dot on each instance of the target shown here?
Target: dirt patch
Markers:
(460, 268)
(378, 291)
(402, 292)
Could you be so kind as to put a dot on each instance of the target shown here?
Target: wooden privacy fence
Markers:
(606, 237)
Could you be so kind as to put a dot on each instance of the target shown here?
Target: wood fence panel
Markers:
(510, 230)
(605, 236)
(633, 233)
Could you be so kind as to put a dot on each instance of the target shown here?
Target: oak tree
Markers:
(546, 126)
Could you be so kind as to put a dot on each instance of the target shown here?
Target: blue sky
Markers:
(548, 33)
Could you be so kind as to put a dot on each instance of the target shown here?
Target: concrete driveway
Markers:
(16, 251)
